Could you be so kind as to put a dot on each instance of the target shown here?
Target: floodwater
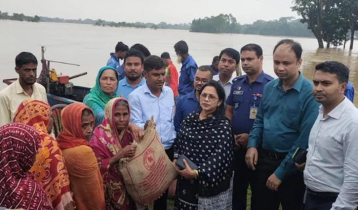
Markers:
(89, 46)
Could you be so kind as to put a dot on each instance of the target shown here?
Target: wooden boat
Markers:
(59, 88)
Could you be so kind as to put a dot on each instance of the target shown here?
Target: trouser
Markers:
(161, 203)
(291, 191)
(319, 200)
(243, 177)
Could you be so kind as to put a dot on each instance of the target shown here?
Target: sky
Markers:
(155, 11)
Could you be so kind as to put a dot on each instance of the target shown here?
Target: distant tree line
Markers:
(161, 25)
(331, 21)
(226, 23)
(18, 17)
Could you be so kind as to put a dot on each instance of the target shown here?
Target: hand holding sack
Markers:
(149, 173)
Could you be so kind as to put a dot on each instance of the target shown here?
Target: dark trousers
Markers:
(291, 191)
(161, 203)
(319, 201)
(243, 177)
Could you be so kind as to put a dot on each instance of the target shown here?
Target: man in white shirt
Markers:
(228, 63)
(24, 88)
(155, 99)
(331, 169)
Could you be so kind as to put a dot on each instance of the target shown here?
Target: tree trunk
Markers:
(328, 42)
(352, 36)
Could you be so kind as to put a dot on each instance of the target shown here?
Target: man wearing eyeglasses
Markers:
(190, 102)
(241, 109)
(229, 60)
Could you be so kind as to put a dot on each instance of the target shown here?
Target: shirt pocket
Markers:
(168, 114)
(291, 118)
(238, 101)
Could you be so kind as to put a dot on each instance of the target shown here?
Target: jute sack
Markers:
(150, 172)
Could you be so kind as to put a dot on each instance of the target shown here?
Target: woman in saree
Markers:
(104, 90)
(80, 160)
(206, 139)
(18, 147)
(49, 168)
(112, 141)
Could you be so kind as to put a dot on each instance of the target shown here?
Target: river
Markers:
(89, 46)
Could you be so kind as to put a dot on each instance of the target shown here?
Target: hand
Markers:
(242, 140)
(236, 138)
(128, 151)
(136, 131)
(146, 124)
(251, 158)
(273, 182)
(300, 167)
(187, 172)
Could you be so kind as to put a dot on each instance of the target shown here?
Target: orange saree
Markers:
(81, 162)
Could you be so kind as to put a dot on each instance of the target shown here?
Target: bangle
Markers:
(196, 174)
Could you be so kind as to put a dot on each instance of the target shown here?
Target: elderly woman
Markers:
(49, 168)
(104, 90)
(206, 139)
(18, 147)
(80, 160)
(111, 142)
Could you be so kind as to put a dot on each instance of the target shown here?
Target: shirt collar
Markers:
(193, 95)
(187, 60)
(125, 82)
(337, 112)
(297, 86)
(146, 90)
(19, 88)
(259, 79)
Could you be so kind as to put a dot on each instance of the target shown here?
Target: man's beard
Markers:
(130, 78)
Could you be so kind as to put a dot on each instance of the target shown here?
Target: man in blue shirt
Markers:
(349, 92)
(120, 51)
(133, 66)
(188, 69)
(190, 102)
(244, 98)
(155, 99)
(284, 120)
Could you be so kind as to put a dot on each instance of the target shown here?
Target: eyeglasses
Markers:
(203, 81)
(211, 97)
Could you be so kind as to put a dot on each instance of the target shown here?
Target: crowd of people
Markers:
(240, 131)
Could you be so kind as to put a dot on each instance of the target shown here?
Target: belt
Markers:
(274, 155)
(321, 194)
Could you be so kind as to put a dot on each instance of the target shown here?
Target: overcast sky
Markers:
(170, 11)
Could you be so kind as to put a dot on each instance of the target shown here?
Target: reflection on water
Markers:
(350, 59)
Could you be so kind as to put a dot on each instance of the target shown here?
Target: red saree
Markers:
(18, 147)
(106, 142)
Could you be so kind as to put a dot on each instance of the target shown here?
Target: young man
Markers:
(284, 119)
(155, 99)
(120, 51)
(188, 69)
(243, 100)
(190, 102)
(229, 61)
(171, 79)
(133, 68)
(331, 171)
(24, 88)
(215, 65)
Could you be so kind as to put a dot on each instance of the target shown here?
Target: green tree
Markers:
(311, 12)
